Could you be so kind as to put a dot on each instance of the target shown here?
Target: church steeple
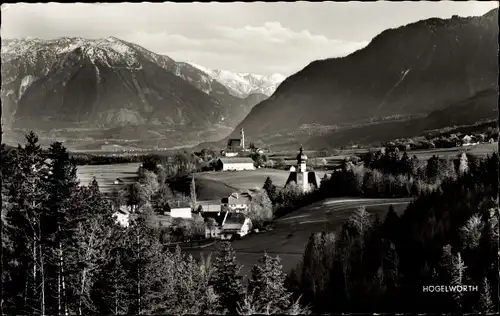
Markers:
(301, 160)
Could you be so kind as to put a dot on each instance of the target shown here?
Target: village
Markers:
(227, 218)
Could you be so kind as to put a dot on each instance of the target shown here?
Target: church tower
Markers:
(242, 134)
(305, 180)
(301, 160)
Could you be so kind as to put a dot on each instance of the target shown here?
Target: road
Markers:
(291, 232)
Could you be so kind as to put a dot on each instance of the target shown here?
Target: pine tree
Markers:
(463, 167)
(23, 219)
(270, 188)
(471, 232)
(486, 305)
(62, 214)
(267, 284)
(226, 280)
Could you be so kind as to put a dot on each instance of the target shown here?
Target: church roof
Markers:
(234, 142)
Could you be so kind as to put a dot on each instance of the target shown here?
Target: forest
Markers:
(62, 253)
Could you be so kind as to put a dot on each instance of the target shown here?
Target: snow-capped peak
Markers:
(243, 84)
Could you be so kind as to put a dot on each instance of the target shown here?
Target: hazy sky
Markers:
(257, 37)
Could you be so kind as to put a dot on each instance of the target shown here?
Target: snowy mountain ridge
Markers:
(244, 84)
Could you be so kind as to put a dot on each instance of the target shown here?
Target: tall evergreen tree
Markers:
(26, 290)
(226, 280)
(267, 284)
(63, 212)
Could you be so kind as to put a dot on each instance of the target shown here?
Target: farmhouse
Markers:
(234, 163)
(305, 180)
(236, 202)
(235, 225)
(226, 225)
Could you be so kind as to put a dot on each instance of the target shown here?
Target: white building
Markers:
(226, 225)
(305, 180)
(237, 202)
(235, 163)
(180, 212)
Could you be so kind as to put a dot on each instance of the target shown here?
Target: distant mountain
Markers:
(244, 84)
(403, 74)
(76, 83)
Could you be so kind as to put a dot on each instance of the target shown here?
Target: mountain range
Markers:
(244, 84)
(94, 92)
(104, 88)
(427, 74)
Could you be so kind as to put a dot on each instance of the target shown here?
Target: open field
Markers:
(249, 179)
(106, 174)
(477, 150)
(291, 232)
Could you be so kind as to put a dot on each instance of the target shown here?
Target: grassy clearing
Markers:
(291, 233)
(477, 150)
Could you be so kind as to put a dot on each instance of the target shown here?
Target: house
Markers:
(122, 216)
(179, 209)
(466, 140)
(236, 225)
(213, 223)
(209, 206)
(180, 212)
(234, 163)
(226, 225)
(236, 202)
(305, 180)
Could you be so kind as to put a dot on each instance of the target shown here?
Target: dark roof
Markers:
(218, 216)
(179, 204)
(242, 198)
(236, 160)
(234, 142)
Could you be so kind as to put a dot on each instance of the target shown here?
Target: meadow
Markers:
(107, 174)
(290, 234)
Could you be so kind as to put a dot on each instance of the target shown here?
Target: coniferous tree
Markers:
(486, 305)
(63, 212)
(226, 280)
(267, 284)
(270, 188)
(26, 289)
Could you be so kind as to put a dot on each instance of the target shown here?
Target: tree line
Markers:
(62, 253)
(447, 236)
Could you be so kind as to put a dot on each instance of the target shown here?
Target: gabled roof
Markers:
(236, 160)
(179, 204)
(234, 222)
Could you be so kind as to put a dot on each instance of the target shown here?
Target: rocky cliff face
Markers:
(409, 71)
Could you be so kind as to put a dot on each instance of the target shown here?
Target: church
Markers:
(230, 159)
(305, 180)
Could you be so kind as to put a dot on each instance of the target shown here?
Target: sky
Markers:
(258, 37)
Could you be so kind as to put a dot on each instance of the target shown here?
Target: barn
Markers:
(235, 163)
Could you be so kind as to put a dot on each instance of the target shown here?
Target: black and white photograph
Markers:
(250, 158)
